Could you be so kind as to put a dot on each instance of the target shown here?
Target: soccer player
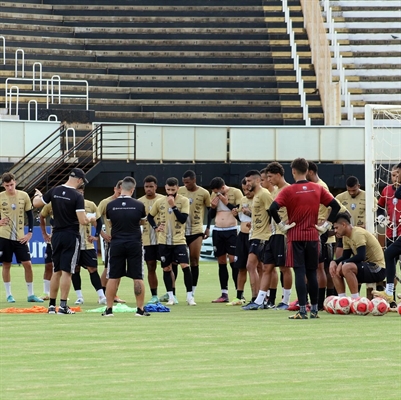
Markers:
(149, 236)
(88, 255)
(126, 215)
(391, 201)
(327, 239)
(258, 239)
(362, 260)
(199, 201)
(47, 275)
(223, 200)
(302, 200)
(14, 204)
(275, 175)
(106, 235)
(69, 212)
(243, 213)
(173, 211)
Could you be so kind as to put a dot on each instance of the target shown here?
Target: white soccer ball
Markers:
(330, 304)
(361, 306)
(380, 306)
(343, 305)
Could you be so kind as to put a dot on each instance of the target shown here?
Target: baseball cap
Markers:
(78, 173)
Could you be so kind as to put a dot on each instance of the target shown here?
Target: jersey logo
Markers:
(191, 201)
(123, 203)
(63, 193)
(13, 206)
(353, 206)
(170, 210)
(395, 200)
(304, 187)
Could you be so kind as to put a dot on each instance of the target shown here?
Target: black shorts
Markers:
(87, 258)
(173, 254)
(323, 240)
(328, 253)
(241, 250)
(275, 251)
(303, 254)
(224, 242)
(192, 238)
(48, 254)
(151, 252)
(339, 242)
(65, 247)
(257, 247)
(125, 259)
(106, 254)
(9, 247)
(370, 272)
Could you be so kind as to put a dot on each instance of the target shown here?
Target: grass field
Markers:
(206, 352)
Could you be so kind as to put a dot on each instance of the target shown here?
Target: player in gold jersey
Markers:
(362, 260)
(199, 202)
(223, 200)
(149, 236)
(106, 235)
(88, 255)
(173, 211)
(258, 239)
(14, 204)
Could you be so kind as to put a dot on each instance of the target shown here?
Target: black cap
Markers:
(78, 173)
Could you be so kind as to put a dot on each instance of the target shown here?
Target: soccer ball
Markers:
(330, 304)
(380, 306)
(326, 300)
(343, 305)
(399, 308)
(362, 306)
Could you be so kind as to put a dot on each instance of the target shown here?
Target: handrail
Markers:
(73, 138)
(40, 75)
(55, 77)
(49, 118)
(297, 67)
(17, 101)
(22, 60)
(4, 49)
(29, 109)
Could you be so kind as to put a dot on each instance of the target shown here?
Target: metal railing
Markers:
(22, 62)
(297, 67)
(4, 49)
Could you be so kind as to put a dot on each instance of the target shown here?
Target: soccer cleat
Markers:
(102, 300)
(34, 299)
(191, 302)
(282, 306)
(118, 300)
(164, 298)
(171, 302)
(222, 299)
(65, 310)
(153, 300)
(383, 295)
(141, 313)
(45, 296)
(252, 306)
(298, 315)
(314, 314)
(79, 301)
(175, 300)
(236, 302)
(10, 299)
(51, 310)
(107, 313)
(269, 306)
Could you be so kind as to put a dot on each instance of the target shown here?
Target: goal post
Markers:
(382, 151)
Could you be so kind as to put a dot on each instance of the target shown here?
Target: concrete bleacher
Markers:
(369, 33)
(145, 61)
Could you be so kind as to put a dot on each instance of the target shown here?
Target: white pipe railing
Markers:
(73, 139)
(22, 62)
(58, 79)
(51, 116)
(17, 101)
(297, 67)
(4, 49)
(40, 75)
(29, 109)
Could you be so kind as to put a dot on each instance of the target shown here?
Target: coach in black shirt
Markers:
(126, 216)
(68, 211)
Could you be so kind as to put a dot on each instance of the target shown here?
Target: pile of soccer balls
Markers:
(361, 306)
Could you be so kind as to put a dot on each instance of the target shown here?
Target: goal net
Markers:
(382, 153)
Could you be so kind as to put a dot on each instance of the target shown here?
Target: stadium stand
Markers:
(226, 62)
(369, 38)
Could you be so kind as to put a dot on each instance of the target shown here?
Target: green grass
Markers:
(206, 352)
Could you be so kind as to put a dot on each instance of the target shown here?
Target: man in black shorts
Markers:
(126, 216)
(173, 211)
(69, 212)
(362, 260)
(14, 205)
